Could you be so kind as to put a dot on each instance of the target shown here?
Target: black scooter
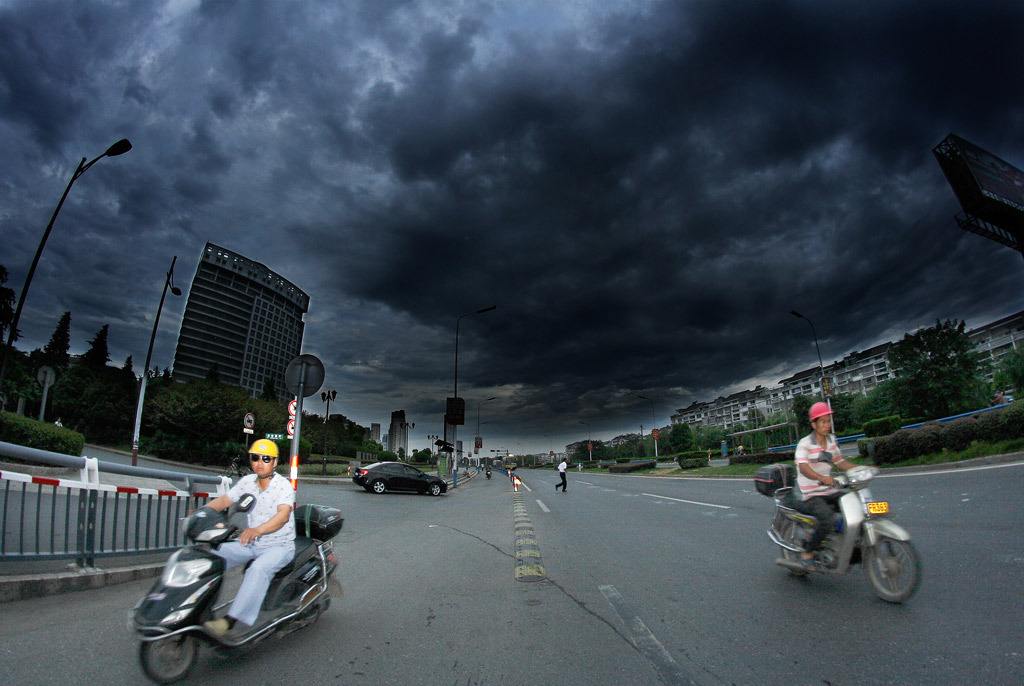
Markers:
(169, 619)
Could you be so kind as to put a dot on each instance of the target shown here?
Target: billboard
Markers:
(989, 189)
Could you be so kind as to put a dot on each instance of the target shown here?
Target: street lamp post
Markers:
(168, 283)
(327, 397)
(458, 322)
(644, 397)
(118, 148)
(493, 397)
(590, 449)
(821, 365)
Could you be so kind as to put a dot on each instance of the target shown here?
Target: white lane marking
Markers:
(644, 640)
(523, 484)
(952, 471)
(586, 482)
(543, 506)
(692, 502)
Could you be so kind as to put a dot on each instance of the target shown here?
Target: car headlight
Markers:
(184, 572)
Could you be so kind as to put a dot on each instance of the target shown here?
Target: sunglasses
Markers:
(265, 458)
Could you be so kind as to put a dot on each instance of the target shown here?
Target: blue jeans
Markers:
(267, 561)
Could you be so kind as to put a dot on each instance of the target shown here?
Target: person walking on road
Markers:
(561, 472)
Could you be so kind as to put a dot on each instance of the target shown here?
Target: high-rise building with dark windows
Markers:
(242, 321)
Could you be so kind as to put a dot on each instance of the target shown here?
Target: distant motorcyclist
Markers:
(269, 540)
(816, 493)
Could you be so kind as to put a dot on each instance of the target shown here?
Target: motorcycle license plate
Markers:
(878, 507)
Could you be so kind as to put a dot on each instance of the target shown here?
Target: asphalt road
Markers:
(640, 590)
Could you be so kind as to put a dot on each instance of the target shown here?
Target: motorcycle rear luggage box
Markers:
(318, 521)
(772, 477)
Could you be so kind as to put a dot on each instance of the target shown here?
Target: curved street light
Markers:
(644, 397)
(119, 148)
(590, 449)
(455, 430)
(168, 283)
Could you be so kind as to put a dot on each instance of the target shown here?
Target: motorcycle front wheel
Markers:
(168, 660)
(894, 569)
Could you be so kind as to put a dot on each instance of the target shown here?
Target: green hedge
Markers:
(35, 434)
(693, 463)
(692, 456)
(883, 426)
(760, 458)
(1000, 425)
(632, 466)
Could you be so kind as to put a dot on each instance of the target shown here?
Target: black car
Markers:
(395, 476)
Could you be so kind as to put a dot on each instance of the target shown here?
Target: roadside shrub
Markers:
(623, 460)
(760, 458)
(692, 456)
(693, 463)
(959, 434)
(632, 466)
(35, 434)
(882, 426)
(1000, 425)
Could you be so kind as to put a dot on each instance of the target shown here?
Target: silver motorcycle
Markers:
(861, 533)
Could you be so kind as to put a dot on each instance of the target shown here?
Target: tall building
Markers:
(375, 432)
(398, 433)
(242, 319)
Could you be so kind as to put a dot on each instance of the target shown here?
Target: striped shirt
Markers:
(820, 460)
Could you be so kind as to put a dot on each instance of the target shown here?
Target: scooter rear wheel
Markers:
(795, 557)
(894, 569)
(168, 660)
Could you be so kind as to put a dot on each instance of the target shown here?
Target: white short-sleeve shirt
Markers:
(278, 492)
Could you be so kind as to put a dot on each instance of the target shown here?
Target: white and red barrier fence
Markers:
(45, 517)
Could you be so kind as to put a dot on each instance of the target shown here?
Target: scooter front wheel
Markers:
(170, 659)
(894, 569)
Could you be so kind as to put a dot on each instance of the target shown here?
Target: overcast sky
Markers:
(644, 189)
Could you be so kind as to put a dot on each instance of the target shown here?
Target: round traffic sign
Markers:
(307, 370)
(290, 428)
(249, 421)
(46, 376)
(293, 407)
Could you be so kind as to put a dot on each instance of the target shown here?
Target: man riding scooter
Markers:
(269, 540)
(816, 496)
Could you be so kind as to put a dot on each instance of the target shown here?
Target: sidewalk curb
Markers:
(25, 586)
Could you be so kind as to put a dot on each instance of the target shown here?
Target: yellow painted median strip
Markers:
(528, 563)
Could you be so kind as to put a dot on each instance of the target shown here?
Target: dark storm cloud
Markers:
(645, 190)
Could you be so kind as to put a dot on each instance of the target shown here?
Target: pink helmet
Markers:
(818, 410)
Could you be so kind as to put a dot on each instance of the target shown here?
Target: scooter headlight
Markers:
(179, 573)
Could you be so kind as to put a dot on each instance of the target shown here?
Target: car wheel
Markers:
(435, 489)
(378, 486)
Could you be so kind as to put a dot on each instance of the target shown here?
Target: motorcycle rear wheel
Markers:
(894, 569)
(795, 557)
(168, 660)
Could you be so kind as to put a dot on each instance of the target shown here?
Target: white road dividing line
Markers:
(585, 482)
(645, 641)
(543, 506)
(523, 484)
(691, 502)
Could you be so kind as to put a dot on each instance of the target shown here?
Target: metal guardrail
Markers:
(46, 518)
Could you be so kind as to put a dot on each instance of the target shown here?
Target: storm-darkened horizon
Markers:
(644, 189)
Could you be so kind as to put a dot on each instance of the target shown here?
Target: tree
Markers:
(937, 372)
(801, 404)
(56, 354)
(876, 404)
(213, 373)
(97, 356)
(680, 438)
(269, 392)
(1010, 373)
(166, 378)
(6, 306)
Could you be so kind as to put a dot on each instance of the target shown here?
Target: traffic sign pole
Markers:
(298, 428)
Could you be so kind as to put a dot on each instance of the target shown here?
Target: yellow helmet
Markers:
(264, 446)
